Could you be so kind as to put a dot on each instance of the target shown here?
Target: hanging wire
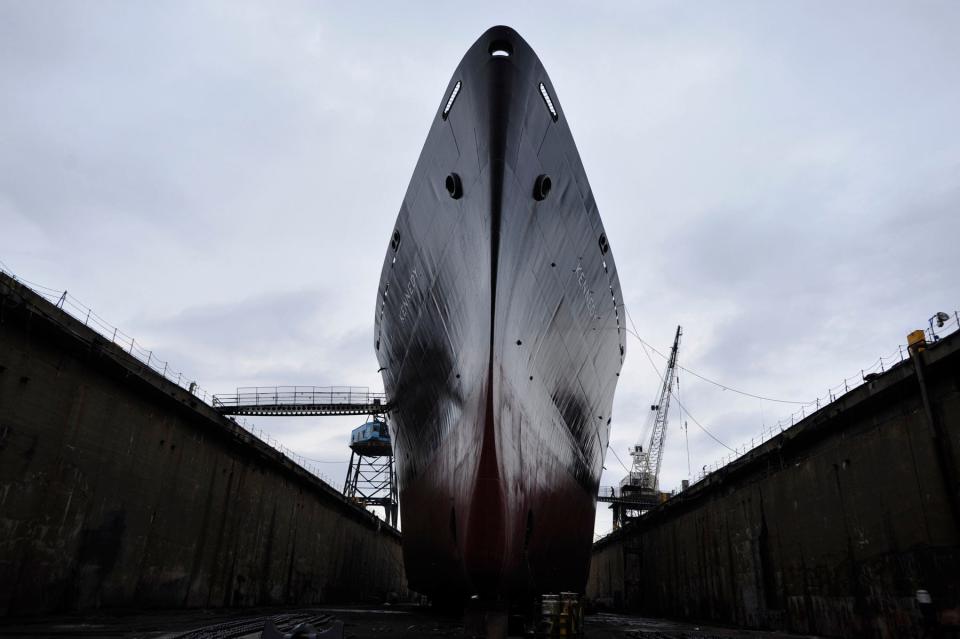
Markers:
(679, 403)
(635, 333)
(611, 449)
(686, 430)
(325, 461)
(881, 365)
(704, 429)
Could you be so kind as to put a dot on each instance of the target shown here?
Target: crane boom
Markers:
(639, 491)
(654, 454)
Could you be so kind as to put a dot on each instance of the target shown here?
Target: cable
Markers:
(39, 286)
(686, 430)
(740, 392)
(610, 448)
(324, 461)
(635, 333)
(703, 428)
(679, 403)
(34, 285)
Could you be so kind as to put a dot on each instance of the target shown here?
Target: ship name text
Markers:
(408, 295)
(587, 294)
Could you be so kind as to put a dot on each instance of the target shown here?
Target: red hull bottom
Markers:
(455, 549)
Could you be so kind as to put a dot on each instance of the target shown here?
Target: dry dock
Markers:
(119, 488)
(830, 528)
(121, 491)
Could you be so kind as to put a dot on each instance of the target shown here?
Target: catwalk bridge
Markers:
(282, 401)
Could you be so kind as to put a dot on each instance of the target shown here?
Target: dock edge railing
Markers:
(83, 313)
(880, 366)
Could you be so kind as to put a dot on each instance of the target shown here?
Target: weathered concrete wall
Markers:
(118, 488)
(828, 529)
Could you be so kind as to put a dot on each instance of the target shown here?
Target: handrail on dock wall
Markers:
(83, 313)
(879, 367)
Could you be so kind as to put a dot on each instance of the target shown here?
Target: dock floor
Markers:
(360, 622)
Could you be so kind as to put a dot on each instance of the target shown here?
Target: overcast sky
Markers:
(220, 180)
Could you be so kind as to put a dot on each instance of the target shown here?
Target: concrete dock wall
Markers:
(119, 488)
(828, 529)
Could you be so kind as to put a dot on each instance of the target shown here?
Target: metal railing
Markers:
(83, 313)
(616, 493)
(302, 401)
(309, 465)
(300, 396)
(880, 366)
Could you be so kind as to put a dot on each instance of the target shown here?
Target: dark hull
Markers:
(499, 332)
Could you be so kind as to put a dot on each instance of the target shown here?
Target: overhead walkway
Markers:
(616, 495)
(284, 401)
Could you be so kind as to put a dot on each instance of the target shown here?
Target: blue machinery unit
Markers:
(371, 480)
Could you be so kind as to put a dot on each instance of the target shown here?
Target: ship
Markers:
(500, 334)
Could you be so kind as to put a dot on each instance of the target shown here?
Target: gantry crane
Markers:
(639, 491)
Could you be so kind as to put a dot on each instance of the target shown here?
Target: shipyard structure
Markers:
(846, 524)
(120, 488)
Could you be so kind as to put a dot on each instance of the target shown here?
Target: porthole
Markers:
(604, 247)
(454, 186)
(395, 240)
(541, 187)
